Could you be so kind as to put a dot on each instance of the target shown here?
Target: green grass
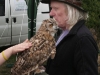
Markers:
(5, 68)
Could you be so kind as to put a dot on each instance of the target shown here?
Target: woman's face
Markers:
(59, 13)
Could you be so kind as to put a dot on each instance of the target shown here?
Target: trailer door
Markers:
(19, 21)
(4, 23)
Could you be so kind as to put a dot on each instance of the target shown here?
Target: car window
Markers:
(2, 7)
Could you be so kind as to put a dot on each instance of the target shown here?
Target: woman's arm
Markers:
(4, 55)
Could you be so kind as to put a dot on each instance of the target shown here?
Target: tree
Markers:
(93, 8)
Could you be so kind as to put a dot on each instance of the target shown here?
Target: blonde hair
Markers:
(74, 15)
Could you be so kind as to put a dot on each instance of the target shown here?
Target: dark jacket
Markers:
(76, 54)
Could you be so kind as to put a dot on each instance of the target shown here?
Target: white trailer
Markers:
(14, 21)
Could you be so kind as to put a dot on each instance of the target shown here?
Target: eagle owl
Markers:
(43, 47)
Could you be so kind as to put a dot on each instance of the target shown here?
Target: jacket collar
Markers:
(76, 27)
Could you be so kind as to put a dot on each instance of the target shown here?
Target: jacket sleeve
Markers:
(85, 57)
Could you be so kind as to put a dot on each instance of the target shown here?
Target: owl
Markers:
(43, 47)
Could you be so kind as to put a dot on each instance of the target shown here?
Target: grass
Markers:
(6, 67)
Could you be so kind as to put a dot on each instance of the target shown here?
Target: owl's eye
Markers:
(51, 25)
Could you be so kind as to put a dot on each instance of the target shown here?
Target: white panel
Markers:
(20, 27)
(16, 40)
(40, 17)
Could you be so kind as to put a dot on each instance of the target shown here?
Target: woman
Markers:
(76, 49)
(4, 55)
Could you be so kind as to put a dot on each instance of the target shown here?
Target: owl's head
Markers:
(49, 25)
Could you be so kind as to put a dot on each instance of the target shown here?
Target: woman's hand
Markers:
(21, 47)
